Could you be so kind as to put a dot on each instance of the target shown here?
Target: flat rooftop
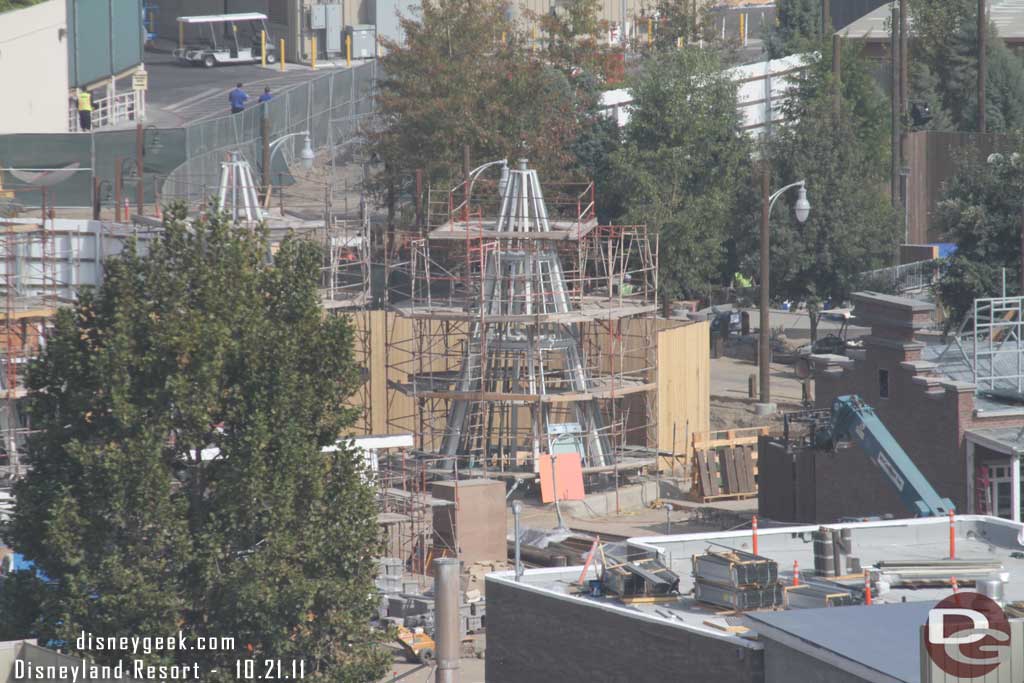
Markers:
(977, 538)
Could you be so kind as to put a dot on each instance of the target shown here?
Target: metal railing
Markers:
(908, 277)
(110, 111)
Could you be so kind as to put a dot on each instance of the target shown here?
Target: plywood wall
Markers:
(683, 378)
(684, 383)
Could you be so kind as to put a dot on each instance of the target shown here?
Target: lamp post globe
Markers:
(307, 154)
(802, 208)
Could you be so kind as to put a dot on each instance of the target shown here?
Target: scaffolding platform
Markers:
(600, 388)
(589, 308)
(561, 231)
(623, 465)
(523, 327)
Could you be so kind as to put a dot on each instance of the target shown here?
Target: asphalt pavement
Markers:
(180, 93)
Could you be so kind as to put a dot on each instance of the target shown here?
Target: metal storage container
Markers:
(364, 41)
(813, 596)
(740, 598)
(735, 568)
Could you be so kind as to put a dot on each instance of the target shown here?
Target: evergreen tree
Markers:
(981, 212)
(682, 161)
(200, 344)
(797, 29)
(455, 84)
(852, 226)
(945, 68)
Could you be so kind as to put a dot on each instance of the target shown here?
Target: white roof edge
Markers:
(648, 542)
(218, 18)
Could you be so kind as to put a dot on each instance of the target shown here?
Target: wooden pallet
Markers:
(725, 472)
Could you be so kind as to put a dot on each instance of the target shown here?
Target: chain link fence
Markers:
(184, 163)
(330, 108)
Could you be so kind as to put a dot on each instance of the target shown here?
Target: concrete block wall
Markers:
(533, 636)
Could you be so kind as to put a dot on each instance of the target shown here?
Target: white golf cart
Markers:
(224, 39)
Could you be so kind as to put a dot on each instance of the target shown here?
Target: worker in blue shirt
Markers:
(266, 96)
(237, 98)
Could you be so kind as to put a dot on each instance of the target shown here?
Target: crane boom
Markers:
(854, 420)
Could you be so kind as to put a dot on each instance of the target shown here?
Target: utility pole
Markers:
(982, 62)
(764, 345)
(837, 76)
(1022, 251)
(265, 138)
(140, 186)
(894, 48)
(826, 17)
(904, 115)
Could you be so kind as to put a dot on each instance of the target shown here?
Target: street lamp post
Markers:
(801, 209)
(307, 155)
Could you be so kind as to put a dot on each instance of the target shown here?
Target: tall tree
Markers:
(682, 161)
(682, 22)
(202, 344)
(572, 33)
(798, 27)
(945, 68)
(852, 226)
(455, 84)
(981, 212)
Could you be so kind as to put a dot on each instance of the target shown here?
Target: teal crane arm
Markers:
(854, 420)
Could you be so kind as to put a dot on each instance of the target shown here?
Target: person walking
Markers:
(84, 110)
(266, 96)
(237, 98)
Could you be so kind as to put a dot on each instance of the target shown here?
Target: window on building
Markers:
(883, 384)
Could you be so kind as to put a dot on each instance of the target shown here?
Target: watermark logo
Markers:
(968, 635)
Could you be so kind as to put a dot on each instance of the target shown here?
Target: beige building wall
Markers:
(34, 69)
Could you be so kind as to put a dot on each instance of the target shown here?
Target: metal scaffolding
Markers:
(527, 328)
(32, 291)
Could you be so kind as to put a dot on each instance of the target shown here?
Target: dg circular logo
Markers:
(968, 635)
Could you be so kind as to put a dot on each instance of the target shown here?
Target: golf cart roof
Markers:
(221, 18)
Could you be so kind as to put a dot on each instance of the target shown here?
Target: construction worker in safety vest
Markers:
(84, 110)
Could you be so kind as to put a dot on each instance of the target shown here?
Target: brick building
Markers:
(967, 443)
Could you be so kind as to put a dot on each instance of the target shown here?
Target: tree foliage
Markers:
(7, 5)
(571, 34)
(945, 53)
(798, 27)
(200, 344)
(681, 163)
(682, 22)
(852, 227)
(456, 84)
(981, 212)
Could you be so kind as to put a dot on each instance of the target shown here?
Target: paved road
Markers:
(179, 93)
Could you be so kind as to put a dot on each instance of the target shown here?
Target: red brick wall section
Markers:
(923, 418)
(929, 420)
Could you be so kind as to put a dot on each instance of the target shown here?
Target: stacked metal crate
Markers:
(736, 580)
(389, 575)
